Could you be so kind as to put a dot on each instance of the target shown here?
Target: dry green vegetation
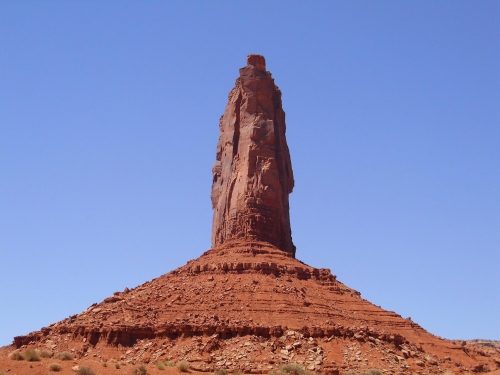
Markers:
(85, 371)
(183, 366)
(373, 371)
(160, 366)
(16, 356)
(65, 356)
(221, 372)
(55, 367)
(292, 369)
(32, 355)
(141, 370)
(45, 354)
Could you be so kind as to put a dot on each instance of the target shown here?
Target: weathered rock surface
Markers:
(252, 176)
(248, 304)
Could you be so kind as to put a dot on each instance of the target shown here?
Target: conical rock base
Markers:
(251, 307)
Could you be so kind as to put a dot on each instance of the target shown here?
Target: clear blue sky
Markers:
(109, 121)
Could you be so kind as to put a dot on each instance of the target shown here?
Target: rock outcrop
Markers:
(251, 307)
(252, 176)
(247, 304)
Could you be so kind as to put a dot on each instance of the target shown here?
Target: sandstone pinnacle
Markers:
(252, 175)
(246, 305)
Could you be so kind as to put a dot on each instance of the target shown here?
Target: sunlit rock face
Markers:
(252, 176)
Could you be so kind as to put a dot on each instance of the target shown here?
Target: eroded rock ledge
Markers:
(129, 335)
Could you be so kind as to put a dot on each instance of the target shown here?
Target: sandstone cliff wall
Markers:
(252, 176)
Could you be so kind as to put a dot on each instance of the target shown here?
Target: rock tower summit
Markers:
(252, 175)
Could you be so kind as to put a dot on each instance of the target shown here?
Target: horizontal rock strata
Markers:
(251, 307)
(252, 175)
(248, 304)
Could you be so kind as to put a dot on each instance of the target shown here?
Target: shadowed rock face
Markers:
(252, 175)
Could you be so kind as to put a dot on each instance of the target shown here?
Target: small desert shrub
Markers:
(169, 363)
(105, 364)
(221, 371)
(17, 356)
(141, 370)
(117, 365)
(372, 371)
(292, 369)
(238, 372)
(55, 367)
(31, 355)
(65, 356)
(160, 366)
(85, 371)
(45, 354)
(183, 366)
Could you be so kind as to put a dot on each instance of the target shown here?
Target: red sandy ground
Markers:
(11, 367)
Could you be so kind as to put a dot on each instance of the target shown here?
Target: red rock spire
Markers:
(252, 175)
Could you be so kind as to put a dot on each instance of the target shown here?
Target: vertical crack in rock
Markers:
(252, 175)
(236, 136)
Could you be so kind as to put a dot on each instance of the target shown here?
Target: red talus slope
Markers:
(250, 306)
